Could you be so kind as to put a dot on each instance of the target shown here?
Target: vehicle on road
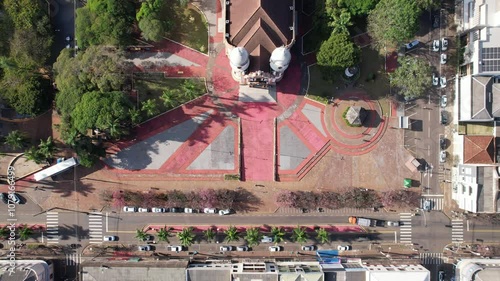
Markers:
(176, 248)
(225, 248)
(188, 210)
(442, 142)
(16, 198)
(266, 239)
(444, 44)
(144, 248)
(109, 238)
(444, 117)
(442, 156)
(176, 210)
(128, 209)
(308, 248)
(392, 223)
(442, 82)
(68, 38)
(435, 45)
(435, 79)
(427, 205)
(275, 248)
(4, 197)
(435, 23)
(143, 210)
(242, 248)
(148, 238)
(225, 212)
(444, 59)
(363, 221)
(344, 247)
(441, 275)
(158, 210)
(412, 44)
(209, 210)
(444, 101)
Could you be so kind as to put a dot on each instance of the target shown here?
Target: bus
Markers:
(56, 169)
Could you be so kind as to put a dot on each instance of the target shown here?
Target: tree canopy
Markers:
(25, 92)
(151, 22)
(338, 52)
(393, 22)
(358, 7)
(412, 77)
(107, 22)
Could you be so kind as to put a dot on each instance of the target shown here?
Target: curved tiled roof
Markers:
(260, 26)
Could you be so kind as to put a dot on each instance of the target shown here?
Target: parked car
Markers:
(308, 248)
(144, 248)
(158, 210)
(209, 210)
(16, 198)
(442, 156)
(435, 23)
(275, 248)
(444, 100)
(225, 248)
(435, 45)
(176, 210)
(412, 44)
(392, 223)
(68, 38)
(4, 197)
(225, 212)
(444, 44)
(444, 58)
(441, 275)
(109, 238)
(427, 205)
(174, 248)
(343, 248)
(266, 239)
(444, 117)
(442, 142)
(188, 210)
(148, 238)
(127, 209)
(442, 81)
(242, 248)
(435, 79)
(143, 210)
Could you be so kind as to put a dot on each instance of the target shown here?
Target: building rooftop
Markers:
(479, 150)
(260, 26)
(132, 271)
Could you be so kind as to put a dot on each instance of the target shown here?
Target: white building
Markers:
(477, 269)
(27, 270)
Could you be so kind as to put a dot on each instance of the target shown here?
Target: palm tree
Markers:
(15, 139)
(232, 234)
(341, 19)
(190, 89)
(299, 234)
(209, 234)
(164, 234)
(34, 154)
(278, 234)
(253, 236)
(141, 234)
(47, 148)
(25, 232)
(186, 236)
(168, 97)
(322, 235)
(150, 107)
(135, 116)
(4, 232)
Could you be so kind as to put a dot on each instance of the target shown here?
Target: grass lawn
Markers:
(192, 31)
(152, 86)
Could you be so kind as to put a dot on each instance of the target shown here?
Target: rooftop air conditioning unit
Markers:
(291, 8)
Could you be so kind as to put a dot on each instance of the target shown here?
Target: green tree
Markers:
(340, 20)
(209, 234)
(169, 97)
(153, 26)
(186, 236)
(253, 236)
(191, 89)
(34, 154)
(412, 77)
(141, 234)
(428, 4)
(299, 234)
(150, 107)
(278, 234)
(164, 234)
(4, 232)
(358, 7)
(232, 234)
(322, 235)
(47, 148)
(25, 232)
(338, 53)
(88, 153)
(135, 116)
(15, 139)
(26, 93)
(393, 22)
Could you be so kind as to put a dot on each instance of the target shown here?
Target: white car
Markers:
(242, 248)
(343, 248)
(435, 45)
(143, 210)
(308, 248)
(225, 248)
(144, 248)
(412, 44)
(444, 44)
(109, 238)
(442, 81)
(444, 101)
(174, 248)
(188, 210)
(444, 58)
(266, 239)
(435, 79)
(275, 248)
(442, 156)
(127, 209)
(224, 212)
(209, 210)
(392, 223)
(158, 210)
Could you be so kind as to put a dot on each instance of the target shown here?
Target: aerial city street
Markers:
(249, 140)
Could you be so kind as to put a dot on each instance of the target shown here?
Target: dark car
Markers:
(444, 117)
(4, 197)
(176, 210)
(442, 143)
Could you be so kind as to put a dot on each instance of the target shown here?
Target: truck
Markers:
(363, 221)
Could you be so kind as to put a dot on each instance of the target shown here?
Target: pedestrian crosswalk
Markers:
(72, 258)
(457, 230)
(95, 227)
(405, 228)
(437, 203)
(52, 227)
(354, 211)
(431, 258)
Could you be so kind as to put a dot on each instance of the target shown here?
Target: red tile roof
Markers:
(260, 26)
(479, 150)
